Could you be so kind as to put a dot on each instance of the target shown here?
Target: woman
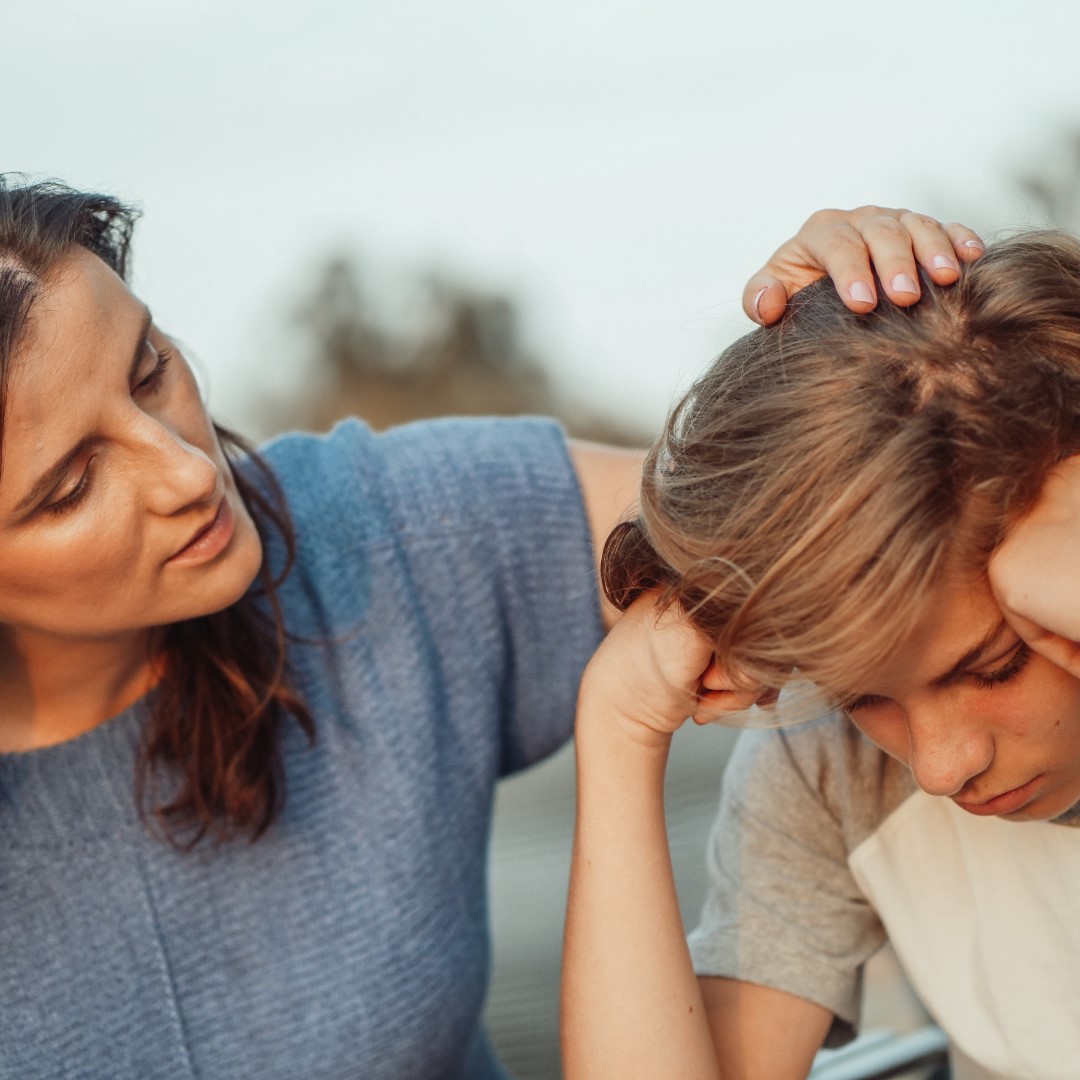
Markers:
(381, 625)
(888, 506)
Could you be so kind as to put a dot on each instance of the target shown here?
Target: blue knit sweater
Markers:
(446, 567)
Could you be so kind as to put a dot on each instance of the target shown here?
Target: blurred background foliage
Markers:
(459, 351)
(1053, 191)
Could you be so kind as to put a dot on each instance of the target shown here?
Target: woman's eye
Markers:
(150, 382)
(74, 496)
(1009, 670)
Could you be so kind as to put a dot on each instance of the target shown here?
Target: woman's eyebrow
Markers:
(974, 654)
(55, 473)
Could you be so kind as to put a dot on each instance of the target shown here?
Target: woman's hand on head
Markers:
(845, 244)
(1035, 572)
(654, 671)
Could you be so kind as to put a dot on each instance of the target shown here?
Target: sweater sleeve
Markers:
(474, 533)
(520, 560)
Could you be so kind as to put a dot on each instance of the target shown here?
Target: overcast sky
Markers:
(620, 167)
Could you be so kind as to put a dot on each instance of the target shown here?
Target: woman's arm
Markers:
(609, 478)
(632, 1005)
(1035, 573)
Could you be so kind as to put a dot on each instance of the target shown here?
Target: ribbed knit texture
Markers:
(447, 566)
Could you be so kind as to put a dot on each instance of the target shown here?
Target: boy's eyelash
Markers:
(854, 704)
(1009, 670)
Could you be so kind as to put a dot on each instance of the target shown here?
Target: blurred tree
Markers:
(462, 355)
(1055, 192)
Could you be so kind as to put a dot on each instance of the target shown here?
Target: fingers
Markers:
(845, 254)
(966, 242)
(721, 695)
(716, 706)
(715, 678)
(1059, 650)
(896, 243)
(851, 247)
(827, 244)
(764, 298)
(930, 245)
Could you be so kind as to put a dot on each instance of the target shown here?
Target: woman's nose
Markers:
(945, 752)
(181, 474)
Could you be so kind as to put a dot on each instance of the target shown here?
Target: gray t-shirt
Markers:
(445, 605)
(824, 847)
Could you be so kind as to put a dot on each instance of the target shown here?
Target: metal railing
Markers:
(878, 1055)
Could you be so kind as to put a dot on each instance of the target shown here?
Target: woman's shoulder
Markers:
(480, 436)
(480, 519)
(424, 476)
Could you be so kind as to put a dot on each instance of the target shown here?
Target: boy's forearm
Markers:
(631, 1003)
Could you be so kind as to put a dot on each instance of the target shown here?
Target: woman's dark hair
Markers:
(210, 762)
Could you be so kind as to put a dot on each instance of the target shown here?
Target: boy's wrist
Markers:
(610, 726)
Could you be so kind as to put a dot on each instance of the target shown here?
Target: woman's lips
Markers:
(1006, 803)
(210, 540)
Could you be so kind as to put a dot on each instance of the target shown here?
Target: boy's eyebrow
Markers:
(974, 653)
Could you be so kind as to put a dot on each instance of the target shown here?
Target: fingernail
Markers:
(757, 302)
(943, 262)
(860, 293)
(904, 283)
(975, 245)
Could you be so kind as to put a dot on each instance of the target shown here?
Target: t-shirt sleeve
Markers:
(783, 909)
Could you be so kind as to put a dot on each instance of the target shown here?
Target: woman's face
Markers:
(118, 512)
(975, 714)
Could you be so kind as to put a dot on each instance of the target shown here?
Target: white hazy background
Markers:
(619, 168)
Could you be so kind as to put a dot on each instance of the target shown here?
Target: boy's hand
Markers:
(654, 670)
(1035, 573)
